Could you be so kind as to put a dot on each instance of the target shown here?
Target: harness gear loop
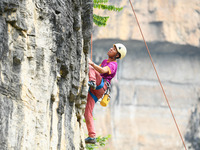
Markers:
(106, 97)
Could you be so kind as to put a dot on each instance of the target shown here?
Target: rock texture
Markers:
(176, 21)
(138, 117)
(43, 73)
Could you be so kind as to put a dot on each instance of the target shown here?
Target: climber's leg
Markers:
(89, 117)
(94, 76)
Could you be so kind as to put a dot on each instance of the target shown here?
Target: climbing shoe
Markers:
(92, 84)
(90, 140)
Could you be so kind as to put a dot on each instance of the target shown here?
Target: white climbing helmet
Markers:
(121, 49)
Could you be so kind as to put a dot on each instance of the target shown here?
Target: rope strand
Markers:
(158, 77)
(91, 48)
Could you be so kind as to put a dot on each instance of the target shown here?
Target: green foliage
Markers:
(107, 7)
(101, 141)
(99, 20)
(100, 1)
(91, 146)
(100, 4)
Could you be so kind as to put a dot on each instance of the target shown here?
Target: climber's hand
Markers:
(90, 62)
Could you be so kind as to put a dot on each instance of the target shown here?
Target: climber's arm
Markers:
(99, 68)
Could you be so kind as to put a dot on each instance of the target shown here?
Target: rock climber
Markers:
(100, 77)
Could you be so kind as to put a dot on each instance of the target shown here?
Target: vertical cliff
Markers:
(43, 70)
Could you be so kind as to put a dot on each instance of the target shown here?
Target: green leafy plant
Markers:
(91, 146)
(101, 142)
(101, 4)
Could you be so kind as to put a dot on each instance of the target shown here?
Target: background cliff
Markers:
(175, 21)
(43, 73)
(138, 117)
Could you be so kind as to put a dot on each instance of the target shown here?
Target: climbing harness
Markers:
(158, 75)
(97, 88)
(106, 96)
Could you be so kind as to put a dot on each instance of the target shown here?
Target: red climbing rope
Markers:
(158, 76)
(91, 48)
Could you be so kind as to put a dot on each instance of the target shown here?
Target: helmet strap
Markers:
(118, 55)
(115, 57)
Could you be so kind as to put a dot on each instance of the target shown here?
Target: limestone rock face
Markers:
(176, 21)
(43, 73)
(138, 117)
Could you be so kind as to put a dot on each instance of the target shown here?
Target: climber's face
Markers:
(112, 52)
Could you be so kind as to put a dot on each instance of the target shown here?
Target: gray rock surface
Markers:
(43, 73)
(138, 117)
